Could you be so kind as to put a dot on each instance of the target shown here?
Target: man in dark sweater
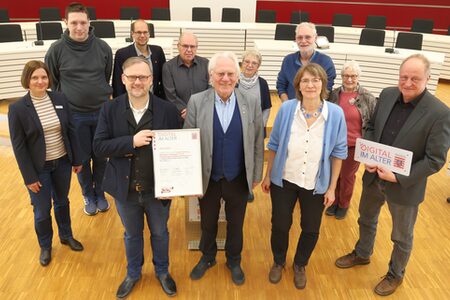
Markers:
(80, 65)
(124, 134)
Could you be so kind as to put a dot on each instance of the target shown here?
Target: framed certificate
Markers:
(177, 163)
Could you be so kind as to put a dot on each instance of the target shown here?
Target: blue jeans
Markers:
(403, 220)
(131, 212)
(55, 181)
(91, 177)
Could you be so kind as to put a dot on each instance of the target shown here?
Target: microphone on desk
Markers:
(25, 35)
(391, 50)
(39, 42)
(130, 38)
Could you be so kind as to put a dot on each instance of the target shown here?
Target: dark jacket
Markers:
(27, 135)
(113, 140)
(426, 133)
(158, 60)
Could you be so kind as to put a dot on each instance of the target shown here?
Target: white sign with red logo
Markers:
(395, 159)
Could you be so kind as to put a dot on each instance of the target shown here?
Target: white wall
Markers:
(181, 10)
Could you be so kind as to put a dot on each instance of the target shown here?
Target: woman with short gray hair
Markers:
(358, 105)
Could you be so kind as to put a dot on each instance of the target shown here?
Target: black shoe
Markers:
(168, 284)
(45, 257)
(199, 270)
(250, 197)
(73, 244)
(331, 211)
(341, 213)
(126, 287)
(237, 275)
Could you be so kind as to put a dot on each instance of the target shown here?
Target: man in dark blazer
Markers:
(231, 134)
(155, 55)
(410, 118)
(124, 135)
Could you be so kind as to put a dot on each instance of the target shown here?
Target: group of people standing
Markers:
(108, 145)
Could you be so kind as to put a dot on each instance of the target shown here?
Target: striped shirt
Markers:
(54, 144)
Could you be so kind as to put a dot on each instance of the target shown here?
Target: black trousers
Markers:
(283, 203)
(235, 194)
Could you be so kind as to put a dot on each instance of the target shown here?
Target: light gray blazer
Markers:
(200, 114)
(426, 133)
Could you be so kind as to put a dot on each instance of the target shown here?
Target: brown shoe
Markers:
(388, 285)
(275, 273)
(299, 277)
(350, 260)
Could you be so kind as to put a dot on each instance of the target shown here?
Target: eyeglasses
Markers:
(252, 63)
(133, 78)
(346, 76)
(303, 37)
(413, 79)
(141, 32)
(186, 47)
(308, 81)
(222, 74)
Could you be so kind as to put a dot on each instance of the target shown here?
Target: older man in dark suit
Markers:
(153, 53)
(124, 134)
(406, 117)
(231, 134)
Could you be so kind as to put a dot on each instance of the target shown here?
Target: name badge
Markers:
(58, 106)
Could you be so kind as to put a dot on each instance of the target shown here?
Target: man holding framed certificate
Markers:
(124, 134)
(231, 135)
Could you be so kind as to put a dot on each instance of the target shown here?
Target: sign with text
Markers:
(395, 159)
(177, 162)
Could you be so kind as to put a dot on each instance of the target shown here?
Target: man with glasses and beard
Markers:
(124, 135)
(305, 37)
(153, 53)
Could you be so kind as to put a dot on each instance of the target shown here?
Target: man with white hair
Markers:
(305, 37)
(231, 134)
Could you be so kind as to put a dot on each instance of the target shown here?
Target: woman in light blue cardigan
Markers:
(306, 148)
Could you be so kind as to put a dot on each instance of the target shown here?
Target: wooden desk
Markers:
(379, 69)
(237, 37)
(13, 57)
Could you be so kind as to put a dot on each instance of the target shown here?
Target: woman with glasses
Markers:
(46, 147)
(306, 148)
(358, 105)
(251, 83)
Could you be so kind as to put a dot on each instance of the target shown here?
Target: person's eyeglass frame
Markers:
(187, 47)
(142, 78)
(314, 81)
(139, 33)
(251, 63)
(352, 77)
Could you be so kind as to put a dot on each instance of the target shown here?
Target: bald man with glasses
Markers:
(186, 73)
